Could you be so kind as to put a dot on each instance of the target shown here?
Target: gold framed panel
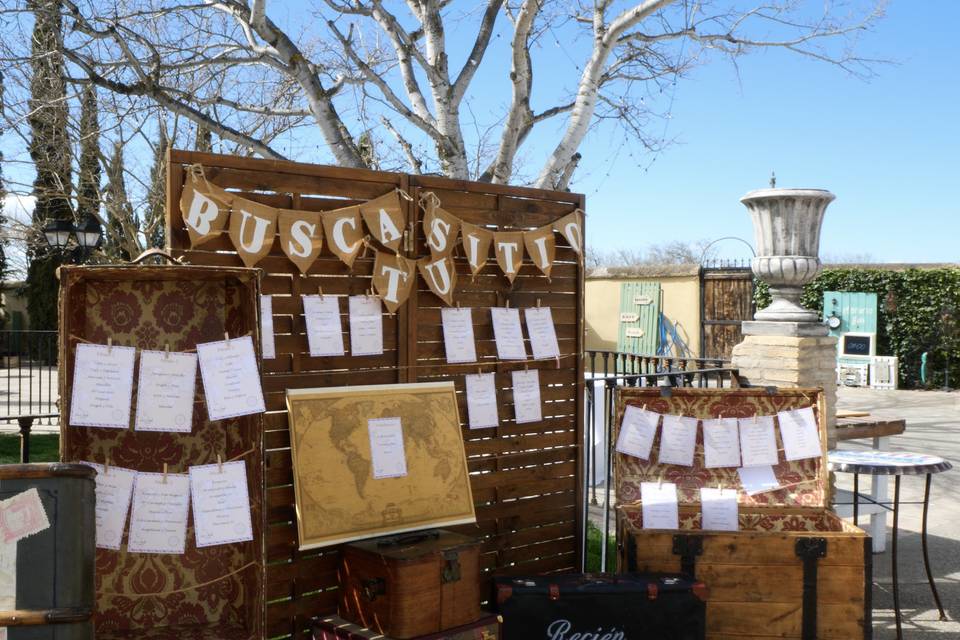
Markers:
(338, 499)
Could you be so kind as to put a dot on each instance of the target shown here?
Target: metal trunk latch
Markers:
(451, 567)
(810, 550)
(688, 548)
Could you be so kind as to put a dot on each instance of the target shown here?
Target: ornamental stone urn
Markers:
(786, 228)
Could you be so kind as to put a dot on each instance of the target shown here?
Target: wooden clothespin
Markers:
(660, 482)
(109, 345)
(644, 407)
(508, 303)
(526, 366)
(538, 303)
(166, 351)
(558, 362)
(226, 336)
(106, 466)
(164, 473)
(320, 290)
(458, 304)
(720, 417)
(219, 463)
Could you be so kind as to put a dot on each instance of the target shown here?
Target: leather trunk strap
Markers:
(810, 550)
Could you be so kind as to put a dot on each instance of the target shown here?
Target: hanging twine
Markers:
(168, 592)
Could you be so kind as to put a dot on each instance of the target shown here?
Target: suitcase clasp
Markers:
(451, 567)
(372, 588)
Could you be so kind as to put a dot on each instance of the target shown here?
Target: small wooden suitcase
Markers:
(792, 570)
(412, 584)
(336, 628)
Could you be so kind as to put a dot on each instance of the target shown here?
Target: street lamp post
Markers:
(87, 236)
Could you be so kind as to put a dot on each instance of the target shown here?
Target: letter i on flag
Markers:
(476, 246)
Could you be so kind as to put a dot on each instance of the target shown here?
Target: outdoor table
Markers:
(897, 464)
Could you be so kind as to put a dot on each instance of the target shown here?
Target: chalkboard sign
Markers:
(857, 345)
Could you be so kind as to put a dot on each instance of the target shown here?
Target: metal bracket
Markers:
(688, 547)
(451, 567)
(810, 550)
(666, 392)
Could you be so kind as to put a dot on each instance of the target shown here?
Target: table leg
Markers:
(879, 492)
(893, 558)
(856, 499)
(923, 540)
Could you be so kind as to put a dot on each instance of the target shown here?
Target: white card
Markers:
(526, 396)
(721, 443)
(719, 510)
(758, 442)
(102, 386)
(458, 338)
(482, 400)
(114, 488)
(165, 391)
(678, 440)
(231, 381)
(221, 503)
(158, 519)
(758, 479)
(386, 448)
(798, 430)
(508, 334)
(659, 504)
(324, 327)
(268, 349)
(543, 335)
(8, 578)
(637, 431)
(366, 326)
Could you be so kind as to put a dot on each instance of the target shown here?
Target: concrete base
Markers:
(791, 361)
(794, 329)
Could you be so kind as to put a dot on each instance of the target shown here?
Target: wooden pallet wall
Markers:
(526, 478)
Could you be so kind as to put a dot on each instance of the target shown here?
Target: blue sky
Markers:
(887, 148)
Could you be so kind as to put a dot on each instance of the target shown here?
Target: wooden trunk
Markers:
(210, 592)
(411, 585)
(793, 570)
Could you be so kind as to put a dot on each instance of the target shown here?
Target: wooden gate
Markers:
(526, 477)
(726, 300)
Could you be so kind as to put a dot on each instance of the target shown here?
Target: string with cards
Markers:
(208, 209)
(747, 444)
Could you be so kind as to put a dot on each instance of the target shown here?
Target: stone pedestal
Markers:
(790, 354)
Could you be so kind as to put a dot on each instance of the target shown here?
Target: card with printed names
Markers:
(102, 386)
(526, 396)
(366, 326)
(758, 442)
(268, 349)
(231, 380)
(324, 326)
(719, 511)
(482, 400)
(637, 431)
(721, 443)
(508, 333)
(659, 505)
(165, 392)
(758, 479)
(799, 433)
(221, 503)
(678, 440)
(113, 490)
(458, 340)
(158, 518)
(387, 450)
(542, 332)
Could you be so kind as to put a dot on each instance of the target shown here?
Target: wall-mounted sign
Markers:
(642, 300)
(634, 332)
(629, 317)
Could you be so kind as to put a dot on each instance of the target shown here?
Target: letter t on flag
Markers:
(393, 279)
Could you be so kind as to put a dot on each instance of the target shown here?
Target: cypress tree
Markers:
(157, 196)
(4, 240)
(50, 152)
(88, 185)
(118, 208)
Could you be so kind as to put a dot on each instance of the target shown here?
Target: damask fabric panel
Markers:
(147, 595)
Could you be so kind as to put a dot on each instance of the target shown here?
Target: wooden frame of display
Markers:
(463, 512)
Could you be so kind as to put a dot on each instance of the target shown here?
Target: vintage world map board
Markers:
(338, 498)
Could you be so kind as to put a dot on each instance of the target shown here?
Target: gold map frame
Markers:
(337, 498)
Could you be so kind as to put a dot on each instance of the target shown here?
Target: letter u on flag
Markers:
(440, 275)
(393, 279)
(301, 237)
(204, 207)
(252, 229)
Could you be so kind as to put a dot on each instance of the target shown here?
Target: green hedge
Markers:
(919, 311)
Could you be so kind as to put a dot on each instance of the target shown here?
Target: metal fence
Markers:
(28, 375)
(606, 371)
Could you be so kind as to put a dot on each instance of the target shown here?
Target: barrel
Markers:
(54, 568)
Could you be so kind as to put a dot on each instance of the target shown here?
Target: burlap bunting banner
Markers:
(570, 227)
(253, 227)
(541, 244)
(344, 233)
(508, 245)
(440, 275)
(301, 237)
(439, 227)
(385, 219)
(205, 207)
(476, 246)
(393, 279)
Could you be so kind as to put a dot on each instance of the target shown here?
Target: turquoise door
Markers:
(638, 324)
(857, 311)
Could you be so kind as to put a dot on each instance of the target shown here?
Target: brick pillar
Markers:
(791, 354)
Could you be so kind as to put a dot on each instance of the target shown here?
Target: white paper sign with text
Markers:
(758, 442)
(114, 490)
(721, 443)
(324, 327)
(482, 400)
(158, 518)
(166, 391)
(268, 349)
(799, 433)
(508, 333)
(366, 326)
(718, 509)
(542, 332)
(678, 440)
(458, 340)
(637, 431)
(102, 386)
(659, 505)
(386, 448)
(758, 479)
(526, 396)
(221, 503)
(231, 380)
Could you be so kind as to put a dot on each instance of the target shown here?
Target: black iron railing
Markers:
(606, 371)
(28, 375)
